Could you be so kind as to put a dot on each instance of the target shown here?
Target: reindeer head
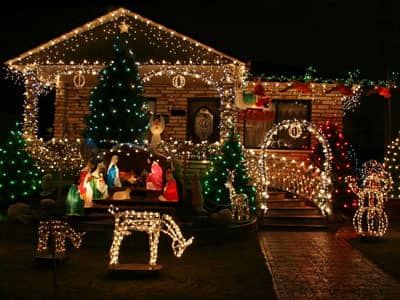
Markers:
(230, 179)
(179, 246)
(76, 239)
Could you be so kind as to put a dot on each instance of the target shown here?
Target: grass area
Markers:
(384, 251)
(229, 270)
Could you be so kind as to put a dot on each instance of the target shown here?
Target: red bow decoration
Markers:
(381, 91)
(303, 87)
(342, 88)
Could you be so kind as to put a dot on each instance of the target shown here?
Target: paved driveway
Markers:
(317, 265)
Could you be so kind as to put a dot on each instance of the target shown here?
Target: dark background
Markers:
(278, 37)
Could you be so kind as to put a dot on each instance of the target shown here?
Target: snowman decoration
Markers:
(157, 126)
(370, 218)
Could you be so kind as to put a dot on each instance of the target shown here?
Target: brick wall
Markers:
(72, 104)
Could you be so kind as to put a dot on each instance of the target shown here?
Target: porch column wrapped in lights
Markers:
(323, 197)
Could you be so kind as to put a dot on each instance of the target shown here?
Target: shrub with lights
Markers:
(342, 196)
(392, 165)
(118, 111)
(19, 174)
(230, 157)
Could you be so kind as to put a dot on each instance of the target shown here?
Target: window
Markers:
(254, 131)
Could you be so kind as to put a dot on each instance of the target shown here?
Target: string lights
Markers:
(323, 198)
(370, 218)
(59, 231)
(150, 222)
(392, 165)
(239, 202)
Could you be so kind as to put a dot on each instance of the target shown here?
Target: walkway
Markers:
(316, 265)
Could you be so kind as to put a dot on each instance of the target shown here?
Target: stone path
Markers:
(317, 265)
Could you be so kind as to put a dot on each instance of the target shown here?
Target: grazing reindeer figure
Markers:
(150, 222)
(60, 231)
(239, 202)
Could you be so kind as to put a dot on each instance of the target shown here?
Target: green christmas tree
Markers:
(392, 165)
(19, 175)
(343, 197)
(229, 158)
(118, 111)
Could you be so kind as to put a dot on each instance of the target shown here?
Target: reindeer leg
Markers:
(153, 241)
(114, 250)
(43, 239)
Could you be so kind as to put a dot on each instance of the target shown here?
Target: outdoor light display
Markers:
(392, 165)
(59, 231)
(118, 110)
(19, 174)
(239, 202)
(342, 196)
(187, 150)
(150, 222)
(370, 219)
(230, 157)
(46, 66)
(323, 198)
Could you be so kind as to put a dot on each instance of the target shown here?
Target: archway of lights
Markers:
(320, 191)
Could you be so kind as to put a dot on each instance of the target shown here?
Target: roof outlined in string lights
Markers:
(91, 44)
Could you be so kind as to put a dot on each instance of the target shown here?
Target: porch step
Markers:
(293, 213)
(276, 195)
(286, 202)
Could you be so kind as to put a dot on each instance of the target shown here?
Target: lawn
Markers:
(234, 269)
(384, 251)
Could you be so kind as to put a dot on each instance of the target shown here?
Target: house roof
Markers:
(152, 43)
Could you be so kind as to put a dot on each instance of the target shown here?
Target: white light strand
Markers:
(60, 231)
(370, 219)
(323, 198)
(150, 222)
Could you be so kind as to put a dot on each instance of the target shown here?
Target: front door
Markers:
(203, 119)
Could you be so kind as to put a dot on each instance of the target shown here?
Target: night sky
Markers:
(334, 36)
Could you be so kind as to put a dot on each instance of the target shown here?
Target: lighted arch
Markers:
(324, 194)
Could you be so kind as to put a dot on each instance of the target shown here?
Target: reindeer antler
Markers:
(113, 210)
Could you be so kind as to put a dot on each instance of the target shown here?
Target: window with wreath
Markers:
(255, 130)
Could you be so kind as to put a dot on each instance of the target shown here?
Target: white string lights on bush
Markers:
(323, 198)
(370, 218)
(150, 222)
(59, 231)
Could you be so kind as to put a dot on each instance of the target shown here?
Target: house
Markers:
(184, 81)
(198, 90)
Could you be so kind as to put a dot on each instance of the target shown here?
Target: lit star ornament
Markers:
(123, 27)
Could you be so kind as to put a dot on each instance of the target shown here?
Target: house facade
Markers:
(198, 90)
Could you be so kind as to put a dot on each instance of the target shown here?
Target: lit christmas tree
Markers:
(229, 158)
(343, 197)
(19, 175)
(392, 165)
(118, 111)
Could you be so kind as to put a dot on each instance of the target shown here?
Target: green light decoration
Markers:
(118, 111)
(19, 174)
(353, 78)
(392, 165)
(230, 157)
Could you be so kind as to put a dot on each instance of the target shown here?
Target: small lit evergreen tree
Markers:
(229, 158)
(343, 197)
(392, 165)
(19, 174)
(118, 111)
